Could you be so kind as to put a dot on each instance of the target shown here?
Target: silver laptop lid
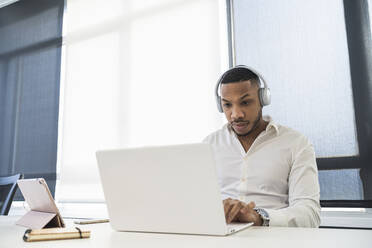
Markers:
(169, 189)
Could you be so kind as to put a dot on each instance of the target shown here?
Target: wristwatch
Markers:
(264, 216)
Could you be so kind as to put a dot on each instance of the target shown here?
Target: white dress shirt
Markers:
(278, 173)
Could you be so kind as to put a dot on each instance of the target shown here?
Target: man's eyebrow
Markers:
(244, 96)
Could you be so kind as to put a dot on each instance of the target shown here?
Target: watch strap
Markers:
(264, 216)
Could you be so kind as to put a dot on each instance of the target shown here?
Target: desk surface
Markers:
(103, 236)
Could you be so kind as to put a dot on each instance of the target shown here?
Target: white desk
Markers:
(103, 236)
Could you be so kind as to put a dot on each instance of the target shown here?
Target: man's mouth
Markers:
(240, 123)
(240, 126)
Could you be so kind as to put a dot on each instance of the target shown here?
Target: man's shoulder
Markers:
(291, 134)
(283, 131)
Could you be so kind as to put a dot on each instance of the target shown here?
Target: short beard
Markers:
(255, 124)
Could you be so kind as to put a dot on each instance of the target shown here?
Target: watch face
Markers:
(264, 216)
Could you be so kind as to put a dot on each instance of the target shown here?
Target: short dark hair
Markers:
(235, 75)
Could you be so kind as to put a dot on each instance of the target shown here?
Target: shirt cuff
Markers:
(277, 218)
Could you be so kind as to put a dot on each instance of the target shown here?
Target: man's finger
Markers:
(251, 205)
(233, 213)
(227, 207)
(226, 200)
(248, 214)
(227, 204)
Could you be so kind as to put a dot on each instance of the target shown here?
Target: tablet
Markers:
(41, 202)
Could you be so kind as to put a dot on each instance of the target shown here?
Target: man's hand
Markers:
(238, 211)
(232, 208)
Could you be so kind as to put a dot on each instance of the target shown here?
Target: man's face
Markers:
(241, 106)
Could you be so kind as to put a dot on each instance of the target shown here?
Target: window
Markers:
(318, 66)
(136, 73)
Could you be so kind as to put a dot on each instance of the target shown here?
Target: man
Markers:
(267, 172)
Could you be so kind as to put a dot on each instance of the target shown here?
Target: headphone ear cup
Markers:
(264, 96)
(219, 104)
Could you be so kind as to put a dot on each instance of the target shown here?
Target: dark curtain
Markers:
(30, 62)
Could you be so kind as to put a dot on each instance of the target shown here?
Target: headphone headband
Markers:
(263, 93)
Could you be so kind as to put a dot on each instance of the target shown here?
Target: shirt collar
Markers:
(271, 124)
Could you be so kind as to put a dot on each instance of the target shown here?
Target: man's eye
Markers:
(227, 105)
(246, 102)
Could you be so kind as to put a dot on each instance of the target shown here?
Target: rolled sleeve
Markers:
(303, 192)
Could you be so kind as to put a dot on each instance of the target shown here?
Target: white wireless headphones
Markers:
(263, 92)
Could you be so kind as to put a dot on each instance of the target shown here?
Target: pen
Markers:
(95, 221)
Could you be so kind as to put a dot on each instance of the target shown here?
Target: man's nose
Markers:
(237, 114)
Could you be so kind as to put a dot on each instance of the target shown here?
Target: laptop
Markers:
(168, 189)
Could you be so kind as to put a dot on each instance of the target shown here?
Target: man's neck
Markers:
(248, 140)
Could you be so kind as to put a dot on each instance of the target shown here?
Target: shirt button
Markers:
(243, 179)
(241, 198)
